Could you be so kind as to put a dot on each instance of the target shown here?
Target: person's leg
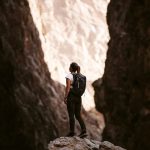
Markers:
(78, 116)
(70, 108)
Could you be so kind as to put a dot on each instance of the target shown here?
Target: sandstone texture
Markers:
(76, 143)
(123, 94)
(73, 30)
(26, 89)
(32, 110)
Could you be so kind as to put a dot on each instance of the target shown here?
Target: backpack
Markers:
(79, 84)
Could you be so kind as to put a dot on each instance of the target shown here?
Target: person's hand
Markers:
(65, 100)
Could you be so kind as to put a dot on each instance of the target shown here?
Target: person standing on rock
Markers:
(75, 87)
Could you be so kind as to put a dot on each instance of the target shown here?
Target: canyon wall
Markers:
(73, 30)
(32, 110)
(123, 94)
(26, 88)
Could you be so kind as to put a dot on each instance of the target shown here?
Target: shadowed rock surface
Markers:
(76, 143)
(32, 110)
(123, 93)
(26, 89)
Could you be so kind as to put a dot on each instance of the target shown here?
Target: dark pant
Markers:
(74, 109)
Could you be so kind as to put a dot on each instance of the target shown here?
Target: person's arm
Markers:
(68, 84)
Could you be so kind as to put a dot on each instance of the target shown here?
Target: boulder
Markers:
(76, 143)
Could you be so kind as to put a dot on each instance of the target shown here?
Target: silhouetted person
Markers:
(73, 102)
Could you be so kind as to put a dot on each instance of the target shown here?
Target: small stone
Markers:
(61, 142)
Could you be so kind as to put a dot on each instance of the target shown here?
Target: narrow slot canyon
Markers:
(38, 41)
(73, 31)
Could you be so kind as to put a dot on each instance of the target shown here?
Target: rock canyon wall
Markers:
(26, 89)
(73, 30)
(31, 103)
(123, 94)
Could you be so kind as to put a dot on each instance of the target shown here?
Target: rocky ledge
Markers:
(76, 143)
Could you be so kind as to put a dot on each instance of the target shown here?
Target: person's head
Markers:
(74, 67)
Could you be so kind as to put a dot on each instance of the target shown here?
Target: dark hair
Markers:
(75, 67)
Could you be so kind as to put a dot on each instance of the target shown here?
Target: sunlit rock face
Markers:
(123, 95)
(73, 30)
